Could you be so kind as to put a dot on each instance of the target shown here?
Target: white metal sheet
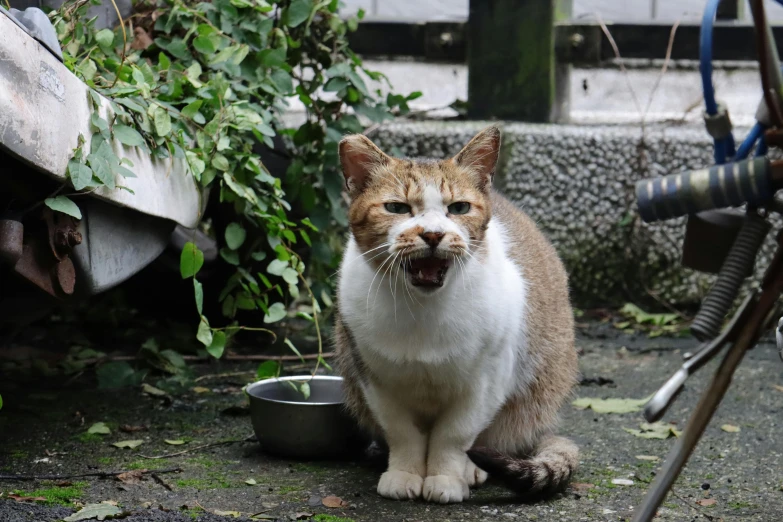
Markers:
(44, 108)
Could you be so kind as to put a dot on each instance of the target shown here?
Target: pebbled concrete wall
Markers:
(577, 183)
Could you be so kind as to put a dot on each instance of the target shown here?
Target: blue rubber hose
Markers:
(753, 136)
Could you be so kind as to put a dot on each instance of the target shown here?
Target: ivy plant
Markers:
(208, 83)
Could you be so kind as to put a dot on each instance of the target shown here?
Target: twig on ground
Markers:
(100, 474)
(222, 375)
(162, 482)
(197, 448)
(313, 357)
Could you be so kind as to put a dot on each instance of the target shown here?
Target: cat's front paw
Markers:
(474, 475)
(400, 485)
(445, 489)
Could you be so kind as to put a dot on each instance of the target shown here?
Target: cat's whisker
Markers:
(377, 272)
(351, 261)
(387, 271)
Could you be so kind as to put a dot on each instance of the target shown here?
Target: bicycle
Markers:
(702, 195)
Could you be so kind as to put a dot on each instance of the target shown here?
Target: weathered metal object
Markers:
(45, 260)
(316, 427)
(709, 237)
(11, 234)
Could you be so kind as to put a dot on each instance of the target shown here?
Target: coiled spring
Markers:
(739, 262)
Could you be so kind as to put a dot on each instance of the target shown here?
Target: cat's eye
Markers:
(458, 208)
(397, 208)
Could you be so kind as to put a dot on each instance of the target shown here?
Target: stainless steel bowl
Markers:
(287, 425)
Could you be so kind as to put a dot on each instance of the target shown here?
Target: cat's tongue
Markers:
(428, 271)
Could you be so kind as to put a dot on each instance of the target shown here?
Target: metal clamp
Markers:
(718, 124)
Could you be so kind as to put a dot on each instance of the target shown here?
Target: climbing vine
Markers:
(208, 84)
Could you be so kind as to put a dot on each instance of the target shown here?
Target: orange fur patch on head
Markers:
(375, 180)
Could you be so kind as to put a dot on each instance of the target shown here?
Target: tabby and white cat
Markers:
(454, 331)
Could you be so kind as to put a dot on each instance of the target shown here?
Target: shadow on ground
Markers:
(43, 431)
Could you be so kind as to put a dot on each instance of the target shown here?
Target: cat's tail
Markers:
(547, 471)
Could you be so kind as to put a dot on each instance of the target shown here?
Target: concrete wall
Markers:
(577, 183)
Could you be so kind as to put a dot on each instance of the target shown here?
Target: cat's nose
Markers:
(433, 239)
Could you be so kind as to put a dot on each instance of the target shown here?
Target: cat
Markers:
(454, 331)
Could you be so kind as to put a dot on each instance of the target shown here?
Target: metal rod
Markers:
(712, 396)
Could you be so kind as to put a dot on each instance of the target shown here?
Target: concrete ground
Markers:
(43, 431)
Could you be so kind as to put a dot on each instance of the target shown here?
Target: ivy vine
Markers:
(208, 83)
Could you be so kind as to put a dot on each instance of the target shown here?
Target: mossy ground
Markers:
(43, 435)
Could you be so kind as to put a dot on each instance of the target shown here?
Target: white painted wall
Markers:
(610, 10)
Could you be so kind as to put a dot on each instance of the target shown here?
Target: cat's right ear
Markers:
(360, 158)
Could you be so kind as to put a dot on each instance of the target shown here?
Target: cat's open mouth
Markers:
(427, 271)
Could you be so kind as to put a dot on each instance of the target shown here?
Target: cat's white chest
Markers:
(473, 329)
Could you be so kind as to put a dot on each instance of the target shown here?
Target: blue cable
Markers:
(761, 150)
(753, 136)
(725, 147)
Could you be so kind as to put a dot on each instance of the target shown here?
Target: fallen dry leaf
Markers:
(129, 444)
(581, 486)
(235, 514)
(622, 482)
(730, 428)
(655, 430)
(127, 428)
(651, 458)
(20, 498)
(301, 516)
(99, 428)
(778, 387)
(94, 511)
(707, 502)
(63, 484)
(141, 39)
(151, 390)
(177, 442)
(131, 477)
(611, 405)
(333, 502)
(201, 389)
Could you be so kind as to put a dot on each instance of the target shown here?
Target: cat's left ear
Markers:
(480, 156)
(360, 158)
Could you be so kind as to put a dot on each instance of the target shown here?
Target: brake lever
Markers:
(665, 396)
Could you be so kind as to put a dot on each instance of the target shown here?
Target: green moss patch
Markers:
(56, 495)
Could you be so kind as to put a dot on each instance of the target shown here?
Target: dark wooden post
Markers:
(730, 10)
(512, 73)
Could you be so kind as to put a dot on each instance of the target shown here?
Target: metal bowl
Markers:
(287, 425)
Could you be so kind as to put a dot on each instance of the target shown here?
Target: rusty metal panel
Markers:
(44, 108)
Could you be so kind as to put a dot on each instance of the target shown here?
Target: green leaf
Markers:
(174, 442)
(218, 344)
(101, 169)
(204, 45)
(268, 370)
(277, 267)
(293, 348)
(204, 333)
(190, 261)
(198, 291)
(305, 389)
(128, 444)
(128, 135)
(99, 428)
(611, 405)
(290, 276)
(117, 374)
(298, 12)
(230, 256)
(282, 81)
(79, 174)
(105, 38)
(1, 402)
(64, 205)
(220, 162)
(191, 109)
(94, 512)
(251, 482)
(162, 122)
(276, 312)
(656, 430)
(235, 235)
(98, 122)
(153, 391)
